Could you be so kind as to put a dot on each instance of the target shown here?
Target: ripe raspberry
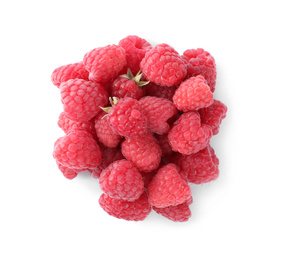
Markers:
(193, 94)
(127, 119)
(135, 49)
(164, 145)
(69, 173)
(213, 115)
(70, 71)
(143, 151)
(178, 213)
(163, 65)
(129, 210)
(160, 91)
(200, 62)
(77, 149)
(82, 99)
(158, 111)
(104, 132)
(121, 180)
(109, 155)
(104, 63)
(200, 167)
(68, 125)
(167, 188)
(128, 86)
(187, 135)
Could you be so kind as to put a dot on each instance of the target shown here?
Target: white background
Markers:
(45, 216)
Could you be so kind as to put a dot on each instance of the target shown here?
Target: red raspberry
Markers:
(70, 71)
(213, 115)
(128, 86)
(135, 49)
(104, 63)
(109, 155)
(77, 149)
(104, 132)
(143, 151)
(200, 62)
(187, 135)
(200, 167)
(127, 119)
(129, 210)
(82, 99)
(121, 180)
(168, 188)
(163, 65)
(160, 91)
(178, 213)
(164, 145)
(69, 173)
(68, 125)
(158, 111)
(193, 94)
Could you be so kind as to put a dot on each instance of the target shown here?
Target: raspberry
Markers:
(193, 94)
(128, 86)
(178, 213)
(143, 151)
(164, 145)
(200, 62)
(77, 149)
(109, 155)
(104, 132)
(213, 115)
(129, 210)
(158, 111)
(70, 71)
(187, 135)
(160, 91)
(163, 65)
(135, 49)
(104, 63)
(167, 188)
(82, 99)
(121, 180)
(127, 119)
(69, 173)
(200, 167)
(68, 125)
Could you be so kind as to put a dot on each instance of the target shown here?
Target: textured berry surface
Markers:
(67, 172)
(135, 49)
(163, 65)
(164, 144)
(143, 151)
(82, 99)
(123, 87)
(213, 115)
(104, 63)
(104, 132)
(178, 213)
(129, 210)
(200, 167)
(127, 119)
(167, 188)
(193, 94)
(200, 62)
(68, 125)
(158, 111)
(70, 71)
(77, 149)
(187, 135)
(109, 155)
(160, 91)
(121, 180)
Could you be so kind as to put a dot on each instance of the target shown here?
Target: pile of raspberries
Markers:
(140, 118)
